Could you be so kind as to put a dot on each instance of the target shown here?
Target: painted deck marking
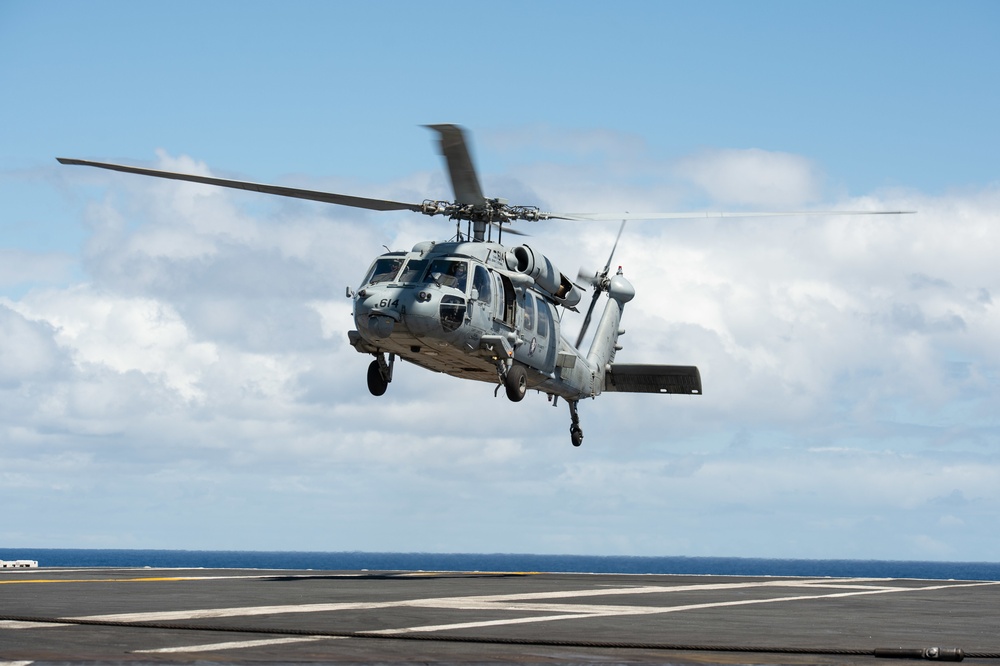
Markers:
(522, 603)
(18, 624)
(586, 611)
(234, 645)
(245, 611)
(468, 603)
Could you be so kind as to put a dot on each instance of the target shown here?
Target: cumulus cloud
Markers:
(20, 267)
(753, 177)
(28, 351)
(124, 334)
(204, 360)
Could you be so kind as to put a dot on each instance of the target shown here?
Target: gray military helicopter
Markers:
(474, 309)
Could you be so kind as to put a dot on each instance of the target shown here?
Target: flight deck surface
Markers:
(147, 615)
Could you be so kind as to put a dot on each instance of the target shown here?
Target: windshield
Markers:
(448, 273)
(383, 270)
(412, 271)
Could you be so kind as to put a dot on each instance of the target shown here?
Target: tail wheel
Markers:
(376, 382)
(516, 383)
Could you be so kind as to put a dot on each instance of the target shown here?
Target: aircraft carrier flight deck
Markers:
(61, 615)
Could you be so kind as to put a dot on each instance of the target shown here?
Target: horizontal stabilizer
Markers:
(636, 378)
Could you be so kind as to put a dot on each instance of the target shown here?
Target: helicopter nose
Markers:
(419, 314)
(375, 314)
(420, 317)
(380, 327)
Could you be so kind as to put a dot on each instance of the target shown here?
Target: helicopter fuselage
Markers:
(464, 309)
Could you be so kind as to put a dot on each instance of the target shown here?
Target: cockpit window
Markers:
(448, 273)
(383, 270)
(412, 271)
(481, 283)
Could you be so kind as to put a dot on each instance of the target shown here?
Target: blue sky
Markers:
(174, 370)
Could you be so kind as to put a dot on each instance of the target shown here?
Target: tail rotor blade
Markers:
(600, 283)
(586, 320)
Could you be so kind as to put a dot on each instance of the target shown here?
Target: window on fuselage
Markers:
(544, 318)
(448, 273)
(529, 312)
(481, 283)
(383, 270)
(507, 299)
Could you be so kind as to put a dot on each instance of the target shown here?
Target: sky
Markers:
(174, 364)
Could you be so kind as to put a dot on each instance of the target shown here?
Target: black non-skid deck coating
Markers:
(234, 616)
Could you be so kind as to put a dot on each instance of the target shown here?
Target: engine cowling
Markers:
(537, 266)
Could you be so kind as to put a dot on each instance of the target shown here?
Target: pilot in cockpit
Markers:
(458, 270)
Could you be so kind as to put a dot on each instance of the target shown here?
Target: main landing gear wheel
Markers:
(377, 384)
(575, 431)
(516, 383)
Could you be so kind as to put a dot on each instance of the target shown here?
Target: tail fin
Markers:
(605, 344)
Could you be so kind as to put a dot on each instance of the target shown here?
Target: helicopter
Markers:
(475, 309)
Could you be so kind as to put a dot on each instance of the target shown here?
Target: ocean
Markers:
(353, 561)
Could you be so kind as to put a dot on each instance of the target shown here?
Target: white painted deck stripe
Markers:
(470, 602)
(521, 603)
(244, 611)
(17, 624)
(586, 611)
(233, 645)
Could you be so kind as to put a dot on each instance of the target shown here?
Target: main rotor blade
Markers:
(464, 181)
(508, 230)
(296, 193)
(596, 217)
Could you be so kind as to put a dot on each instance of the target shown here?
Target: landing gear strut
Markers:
(380, 374)
(575, 431)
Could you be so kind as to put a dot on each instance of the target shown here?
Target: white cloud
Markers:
(753, 177)
(27, 350)
(18, 267)
(123, 334)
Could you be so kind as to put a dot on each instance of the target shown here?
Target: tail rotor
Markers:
(600, 283)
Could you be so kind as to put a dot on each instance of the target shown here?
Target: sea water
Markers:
(503, 562)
